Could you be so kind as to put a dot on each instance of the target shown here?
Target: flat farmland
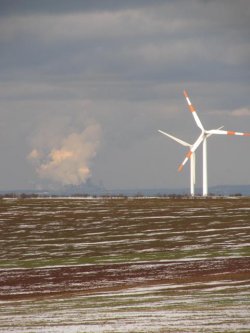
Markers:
(125, 265)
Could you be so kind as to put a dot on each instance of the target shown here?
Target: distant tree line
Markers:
(108, 196)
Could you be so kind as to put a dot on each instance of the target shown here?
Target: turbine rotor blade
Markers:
(191, 151)
(218, 131)
(175, 139)
(192, 109)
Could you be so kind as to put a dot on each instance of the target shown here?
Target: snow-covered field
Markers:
(160, 235)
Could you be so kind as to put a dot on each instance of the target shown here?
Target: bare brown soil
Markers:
(65, 281)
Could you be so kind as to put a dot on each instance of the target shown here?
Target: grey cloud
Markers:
(73, 6)
(242, 112)
(133, 45)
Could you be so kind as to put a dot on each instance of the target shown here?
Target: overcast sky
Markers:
(85, 85)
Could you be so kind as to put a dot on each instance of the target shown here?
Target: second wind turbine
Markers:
(192, 159)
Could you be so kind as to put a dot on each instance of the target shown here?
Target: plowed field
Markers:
(125, 265)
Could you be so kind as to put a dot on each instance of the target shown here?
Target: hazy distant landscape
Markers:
(94, 190)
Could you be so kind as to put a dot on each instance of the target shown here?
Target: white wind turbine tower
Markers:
(192, 160)
(203, 139)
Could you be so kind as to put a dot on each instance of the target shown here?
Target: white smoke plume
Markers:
(69, 162)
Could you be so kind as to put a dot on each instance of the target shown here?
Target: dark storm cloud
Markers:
(150, 45)
(10, 7)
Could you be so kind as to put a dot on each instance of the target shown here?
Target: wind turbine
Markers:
(203, 139)
(192, 159)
